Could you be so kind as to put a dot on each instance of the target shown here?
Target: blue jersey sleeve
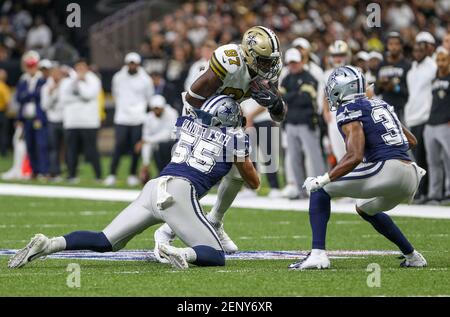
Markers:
(348, 113)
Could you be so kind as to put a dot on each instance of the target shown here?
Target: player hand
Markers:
(313, 184)
(138, 147)
(265, 93)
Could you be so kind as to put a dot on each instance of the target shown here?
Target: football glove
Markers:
(312, 184)
(266, 95)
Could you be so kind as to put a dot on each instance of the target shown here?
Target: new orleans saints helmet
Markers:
(261, 49)
(339, 53)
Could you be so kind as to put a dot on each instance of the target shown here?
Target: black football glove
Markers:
(266, 97)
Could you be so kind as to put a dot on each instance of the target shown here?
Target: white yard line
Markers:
(262, 203)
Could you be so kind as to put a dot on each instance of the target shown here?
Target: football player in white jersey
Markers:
(339, 56)
(247, 70)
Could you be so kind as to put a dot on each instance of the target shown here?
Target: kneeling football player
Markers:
(209, 143)
(376, 169)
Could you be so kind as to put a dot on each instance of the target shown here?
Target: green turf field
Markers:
(21, 218)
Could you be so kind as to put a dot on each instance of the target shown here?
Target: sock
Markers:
(319, 214)
(228, 189)
(384, 225)
(56, 244)
(86, 240)
(189, 254)
(208, 256)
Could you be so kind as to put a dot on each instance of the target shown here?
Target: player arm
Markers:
(205, 86)
(410, 137)
(248, 172)
(355, 143)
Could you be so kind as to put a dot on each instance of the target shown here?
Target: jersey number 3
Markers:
(394, 135)
(196, 153)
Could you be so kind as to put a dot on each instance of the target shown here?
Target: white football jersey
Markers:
(228, 63)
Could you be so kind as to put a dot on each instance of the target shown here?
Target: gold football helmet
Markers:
(261, 49)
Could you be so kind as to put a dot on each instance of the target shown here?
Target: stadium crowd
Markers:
(57, 100)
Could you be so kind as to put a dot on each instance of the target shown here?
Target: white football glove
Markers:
(312, 184)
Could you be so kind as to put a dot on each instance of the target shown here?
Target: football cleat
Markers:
(164, 235)
(174, 256)
(314, 260)
(414, 260)
(36, 248)
(228, 245)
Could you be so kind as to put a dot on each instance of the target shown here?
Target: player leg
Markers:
(367, 181)
(185, 217)
(134, 219)
(372, 210)
(228, 189)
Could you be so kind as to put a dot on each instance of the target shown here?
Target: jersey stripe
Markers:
(272, 38)
(217, 67)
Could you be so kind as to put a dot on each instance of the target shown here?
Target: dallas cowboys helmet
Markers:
(344, 84)
(224, 111)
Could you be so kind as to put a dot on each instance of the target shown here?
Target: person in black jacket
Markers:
(391, 77)
(299, 89)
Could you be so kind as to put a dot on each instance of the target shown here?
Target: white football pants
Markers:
(378, 186)
(165, 199)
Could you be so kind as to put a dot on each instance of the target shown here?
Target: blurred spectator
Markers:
(176, 72)
(267, 143)
(81, 118)
(162, 87)
(428, 39)
(417, 109)
(63, 51)
(310, 66)
(391, 78)
(5, 97)
(437, 132)
(132, 89)
(39, 37)
(32, 115)
(446, 42)
(45, 67)
(157, 136)
(339, 55)
(373, 65)
(54, 109)
(299, 90)
(199, 66)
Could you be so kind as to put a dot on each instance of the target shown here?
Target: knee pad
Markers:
(208, 256)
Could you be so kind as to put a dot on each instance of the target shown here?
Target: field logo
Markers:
(74, 18)
(374, 278)
(374, 15)
(74, 278)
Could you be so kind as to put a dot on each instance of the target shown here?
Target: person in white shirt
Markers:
(157, 135)
(132, 89)
(418, 107)
(54, 110)
(201, 65)
(39, 37)
(81, 118)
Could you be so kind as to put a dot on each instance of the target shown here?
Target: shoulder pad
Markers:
(225, 60)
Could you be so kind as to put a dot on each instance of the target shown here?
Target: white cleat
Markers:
(228, 245)
(36, 248)
(164, 235)
(414, 260)
(110, 181)
(133, 181)
(174, 256)
(317, 259)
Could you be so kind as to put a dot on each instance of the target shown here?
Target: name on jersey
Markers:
(440, 84)
(210, 134)
(390, 71)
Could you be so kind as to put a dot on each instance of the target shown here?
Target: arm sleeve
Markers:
(89, 88)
